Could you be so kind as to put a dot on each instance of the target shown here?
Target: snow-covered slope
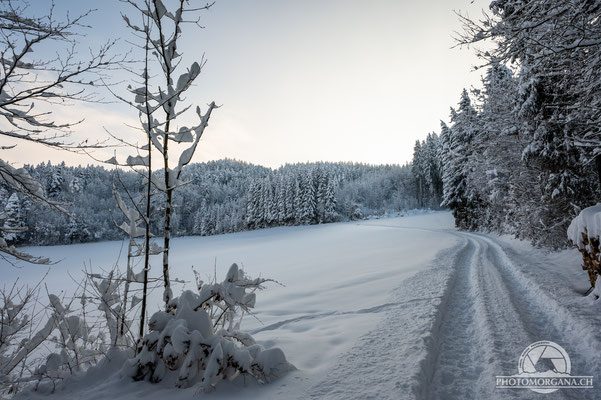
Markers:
(393, 308)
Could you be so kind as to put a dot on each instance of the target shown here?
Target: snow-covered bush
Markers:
(44, 342)
(77, 344)
(24, 344)
(356, 212)
(585, 232)
(16, 343)
(197, 340)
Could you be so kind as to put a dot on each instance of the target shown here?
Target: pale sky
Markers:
(311, 80)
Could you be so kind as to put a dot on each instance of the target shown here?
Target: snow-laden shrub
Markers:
(356, 212)
(584, 232)
(74, 342)
(43, 353)
(198, 338)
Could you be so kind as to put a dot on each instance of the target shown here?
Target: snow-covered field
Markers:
(391, 308)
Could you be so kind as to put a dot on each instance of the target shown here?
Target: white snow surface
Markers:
(398, 308)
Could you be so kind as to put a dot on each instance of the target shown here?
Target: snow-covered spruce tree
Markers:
(255, 209)
(13, 220)
(198, 221)
(427, 171)
(496, 151)
(419, 169)
(433, 170)
(296, 200)
(306, 213)
(269, 202)
(329, 213)
(563, 182)
(76, 231)
(55, 185)
(197, 340)
(445, 156)
(459, 195)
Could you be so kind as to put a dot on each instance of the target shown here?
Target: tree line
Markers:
(218, 197)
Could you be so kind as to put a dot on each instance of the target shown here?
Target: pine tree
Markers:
(447, 159)
(255, 207)
(433, 170)
(13, 222)
(419, 169)
(269, 203)
(4, 196)
(198, 219)
(459, 194)
(76, 231)
(298, 200)
(498, 153)
(280, 193)
(55, 185)
(329, 209)
(75, 186)
(291, 199)
(307, 206)
(320, 179)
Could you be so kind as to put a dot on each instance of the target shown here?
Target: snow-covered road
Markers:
(404, 308)
(476, 311)
(492, 313)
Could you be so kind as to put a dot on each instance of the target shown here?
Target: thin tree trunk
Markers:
(598, 167)
(128, 278)
(166, 239)
(167, 225)
(146, 245)
(148, 199)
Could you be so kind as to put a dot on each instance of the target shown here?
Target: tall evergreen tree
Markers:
(308, 205)
(459, 194)
(13, 222)
(55, 184)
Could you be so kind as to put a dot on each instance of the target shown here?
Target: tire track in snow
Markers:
(508, 315)
(546, 319)
(460, 353)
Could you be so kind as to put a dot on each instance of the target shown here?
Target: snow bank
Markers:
(587, 222)
(584, 232)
